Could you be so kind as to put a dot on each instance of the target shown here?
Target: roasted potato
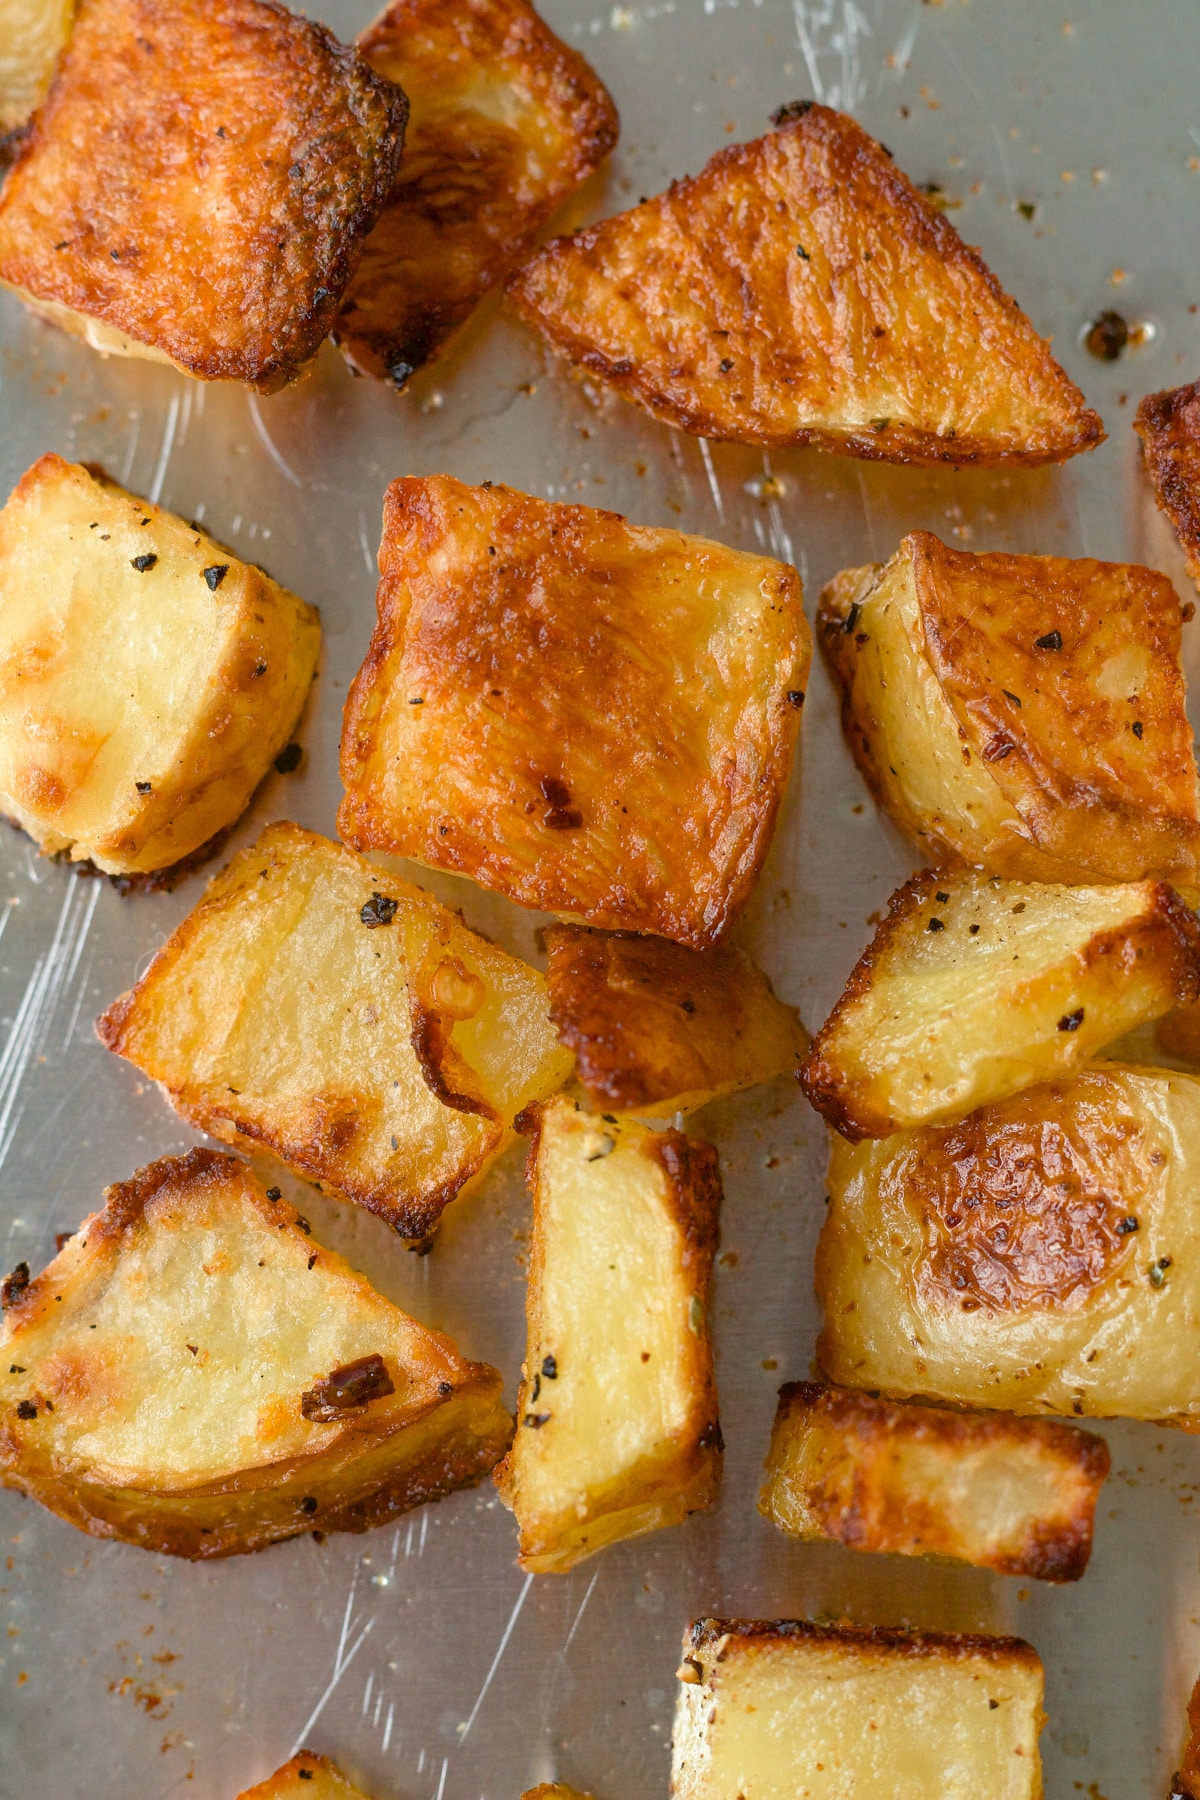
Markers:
(656, 1027)
(505, 122)
(1022, 713)
(341, 1018)
(198, 183)
(1186, 1783)
(1179, 1033)
(147, 677)
(775, 1710)
(800, 291)
(974, 988)
(33, 35)
(1037, 1256)
(306, 1777)
(617, 1415)
(1016, 1495)
(589, 717)
(195, 1374)
(554, 1790)
(1169, 427)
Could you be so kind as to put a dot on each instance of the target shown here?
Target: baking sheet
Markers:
(1067, 140)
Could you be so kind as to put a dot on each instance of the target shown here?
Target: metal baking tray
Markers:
(1066, 138)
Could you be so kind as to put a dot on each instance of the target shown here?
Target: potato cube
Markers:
(198, 183)
(1169, 427)
(306, 1777)
(341, 1018)
(589, 717)
(799, 290)
(658, 1028)
(32, 38)
(974, 988)
(1022, 713)
(617, 1412)
(787, 1710)
(1037, 1256)
(1017, 1495)
(505, 121)
(195, 1374)
(147, 677)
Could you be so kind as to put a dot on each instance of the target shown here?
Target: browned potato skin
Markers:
(306, 1777)
(554, 1790)
(1186, 1783)
(200, 178)
(1169, 427)
(535, 761)
(698, 307)
(863, 1502)
(653, 1022)
(475, 188)
(1087, 798)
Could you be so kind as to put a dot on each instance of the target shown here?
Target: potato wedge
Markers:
(33, 35)
(617, 1431)
(198, 183)
(974, 988)
(799, 290)
(342, 1019)
(772, 1710)
(1015, 1495)
(1043, 1255)
(195, 1374)
(505, 121)
(656, 1027)
(1185, 1785)
(148, 678)
(589, 717)
(306, 1777)
(1022, 713)
(1169, 427)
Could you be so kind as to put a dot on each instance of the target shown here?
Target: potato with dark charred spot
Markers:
(33, 35)
(799, 290)
(1025, 714)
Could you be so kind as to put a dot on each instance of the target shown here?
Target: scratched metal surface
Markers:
(419, 1655)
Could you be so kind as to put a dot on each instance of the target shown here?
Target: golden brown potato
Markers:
(656, 1027)
(197, 185)
(1043, 1255)
(1169, 427)
(195, 1374)
(1016, 1495)
(800, 291)
(148, 678)
(33, 35)
(341, 1018)
(306, 1777)
(617, 1415)
(505, 122)
(974, 988)
(589, 717)
(1185, 1785)
(775, 1710)
(554, 1790)
(1022, 713)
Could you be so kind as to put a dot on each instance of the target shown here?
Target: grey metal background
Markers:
(419, 1655)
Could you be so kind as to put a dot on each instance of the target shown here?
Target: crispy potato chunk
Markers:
(306, 1777)
(974, 988)
(1186, 1783)
(147, 676)
(195, 1374)
(1023, 713)
(1043, 1255)
(505, 122)
(617, 1412)
(771, 1710)
(800, 291)
(344, 1020)
(656, 1027)
(1169, 427)
(33, 35)
(1017, 1495)
(589, 717)
(198, 183)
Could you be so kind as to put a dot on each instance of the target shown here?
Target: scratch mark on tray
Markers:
(367, 1693)
(964, 75)
(582, 1609)
(341, 1663)
(127, 465)
(34, 1016)
(824, 28)
(164, 455)
(906, 43)
(513, 1616)
(714, 485)
(365, 542)
(781, 538)
(441, 1786)
(268, 443)
(387, 1730)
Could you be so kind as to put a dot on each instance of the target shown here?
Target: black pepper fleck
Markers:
(1051, 641)
(142, 563)
(380, 909)
(1071, 1021)
(215, 575)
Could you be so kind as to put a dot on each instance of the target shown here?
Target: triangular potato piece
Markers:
(974, 988)
(340, 1017)
(195, 1374)
(306, 1777)
(1023, 713)
(1169, 427)
(32, 38)
(799, 290)
(504, 123)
